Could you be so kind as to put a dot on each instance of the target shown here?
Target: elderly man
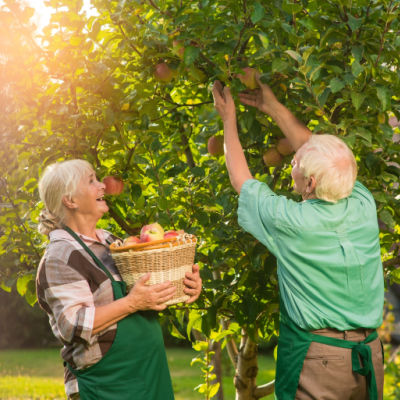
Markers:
(327, 247)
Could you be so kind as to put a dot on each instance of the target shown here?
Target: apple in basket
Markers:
(131, 240)
(172, 233)
(151, 232)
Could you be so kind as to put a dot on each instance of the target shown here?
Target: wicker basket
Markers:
(166, 260)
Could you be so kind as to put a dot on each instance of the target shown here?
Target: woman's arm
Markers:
(140, 297)
(235, 160)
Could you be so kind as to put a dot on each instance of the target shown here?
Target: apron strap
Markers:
(359, 351)
(90, 252)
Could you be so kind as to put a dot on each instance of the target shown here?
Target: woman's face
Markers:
(89, 197)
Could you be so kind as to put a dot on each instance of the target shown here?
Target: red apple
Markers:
(248, 78)
(215, 145)
(131, 240)
(170, 234)
(272, 157)
(113, 184)
(151, 232)
(163, 72)
(284, 147)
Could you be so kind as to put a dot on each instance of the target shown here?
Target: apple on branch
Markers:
(215, 145)
(151, 232)
(113, 184)
(284, 147)
(248, 77)
(272, 157)
(163, 72)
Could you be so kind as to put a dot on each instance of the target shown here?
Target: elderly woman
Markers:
(327, 247)
(113, 344)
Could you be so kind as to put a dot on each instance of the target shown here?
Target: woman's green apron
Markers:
(135, 367)
(293, 344)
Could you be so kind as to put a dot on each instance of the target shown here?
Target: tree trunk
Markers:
(246, 373)
(246, 370)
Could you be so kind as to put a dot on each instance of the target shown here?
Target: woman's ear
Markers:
(311, 184)
(69, 203)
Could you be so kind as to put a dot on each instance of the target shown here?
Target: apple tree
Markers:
(127, 87)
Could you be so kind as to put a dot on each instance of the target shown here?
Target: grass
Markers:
(38, 374)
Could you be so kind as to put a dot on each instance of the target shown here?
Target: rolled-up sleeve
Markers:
(257, 212)
(67, 295)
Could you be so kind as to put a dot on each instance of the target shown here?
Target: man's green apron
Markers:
(293, 344)
(135, 367)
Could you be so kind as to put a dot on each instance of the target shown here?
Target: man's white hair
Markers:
(332, 163)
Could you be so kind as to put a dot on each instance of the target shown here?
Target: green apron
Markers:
(135, 367)
(293, 344)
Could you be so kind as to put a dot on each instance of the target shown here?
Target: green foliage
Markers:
(88, 90)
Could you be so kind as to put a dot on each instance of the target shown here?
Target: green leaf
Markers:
(198, 171)
(323, 97)
(213, 390)
(363, 133)
(395, 275)
(279, 65)
(264, 39)
(193, 322)
(190, 55)
(291, 7)
(356, 68)
(353, 22)
(357, 52)
(22, 283)
(136, 191)
(258, 13)
(357, 99)
(336, 85)
(387, 218)
(30, 295)
(294, 54)
(383, 94)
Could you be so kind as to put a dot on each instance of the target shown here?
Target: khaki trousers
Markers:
(327, 371)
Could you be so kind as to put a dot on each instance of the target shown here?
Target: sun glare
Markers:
(43, 13)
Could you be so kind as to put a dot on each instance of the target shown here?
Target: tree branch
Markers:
(121, 221)
(231, 346)
(264, 390)
(128, 40)
(188, 151)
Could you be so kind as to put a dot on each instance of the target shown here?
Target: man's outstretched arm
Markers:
(265, 100)
(235, 159)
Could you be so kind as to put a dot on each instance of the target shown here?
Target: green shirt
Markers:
(329, 265)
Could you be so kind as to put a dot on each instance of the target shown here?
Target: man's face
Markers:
(299, 180)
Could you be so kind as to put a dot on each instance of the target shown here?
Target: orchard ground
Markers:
(38, 374)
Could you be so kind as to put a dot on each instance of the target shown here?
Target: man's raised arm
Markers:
(265, 100)
(234, 157)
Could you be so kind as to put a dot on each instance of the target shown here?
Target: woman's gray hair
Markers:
(59, 180)
(332, 163)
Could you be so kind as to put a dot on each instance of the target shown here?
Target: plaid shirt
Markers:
(69, 287)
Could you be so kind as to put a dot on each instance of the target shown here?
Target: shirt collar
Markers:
(61, 234)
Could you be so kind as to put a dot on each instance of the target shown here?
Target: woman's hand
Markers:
(149, 297)
(262, 98)
(193, 284)
(223, 102)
